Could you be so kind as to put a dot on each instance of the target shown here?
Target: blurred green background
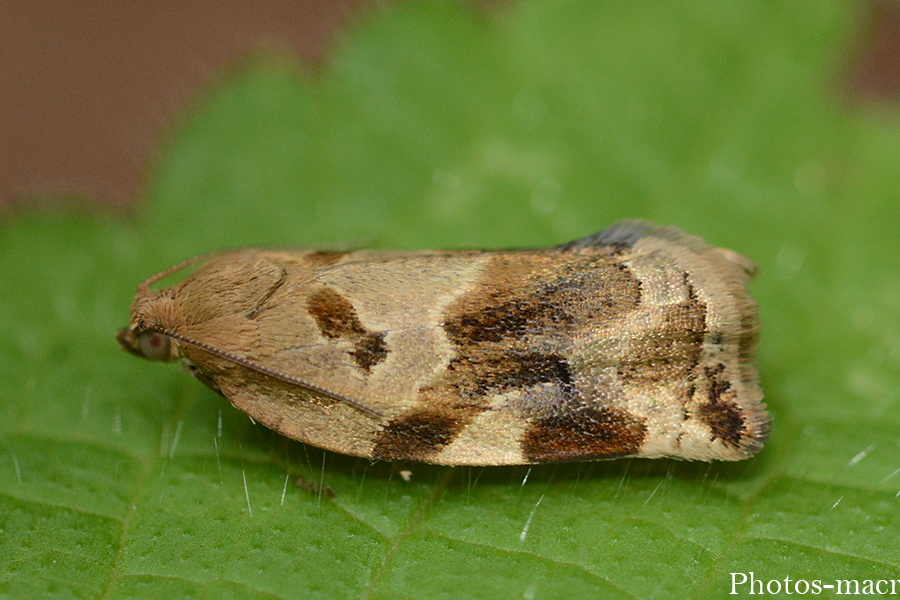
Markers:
(435, 125)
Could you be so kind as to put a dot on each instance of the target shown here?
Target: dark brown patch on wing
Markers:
(724, 419)
(721, 414)
(334, 314)
(337, 319)
(585, 434)
(717, 390)
(494, 373)
(415, 437)
(507, 318)
(711, 372)
(537, 295)
(370, 350)
(510, 333)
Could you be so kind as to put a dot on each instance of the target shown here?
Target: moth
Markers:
(636, 341)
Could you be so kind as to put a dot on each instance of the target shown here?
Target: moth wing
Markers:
(328, 323)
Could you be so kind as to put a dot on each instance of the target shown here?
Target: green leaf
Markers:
(437, 126)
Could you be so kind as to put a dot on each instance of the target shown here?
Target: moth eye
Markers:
(154, 345)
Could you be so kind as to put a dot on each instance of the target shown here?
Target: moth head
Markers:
(153, 316)
(146, 343)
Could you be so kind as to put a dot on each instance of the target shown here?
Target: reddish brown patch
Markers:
(415, 437)
(334, 314)
(588, 434)
(876, 72)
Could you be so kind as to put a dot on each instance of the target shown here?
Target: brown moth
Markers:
(635, 341)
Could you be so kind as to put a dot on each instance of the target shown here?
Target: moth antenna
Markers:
(182, 265)
(244, 362)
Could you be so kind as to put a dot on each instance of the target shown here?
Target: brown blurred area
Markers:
(89, 88)
(875, 72)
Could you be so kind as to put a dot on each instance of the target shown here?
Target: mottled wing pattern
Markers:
(636, 341)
